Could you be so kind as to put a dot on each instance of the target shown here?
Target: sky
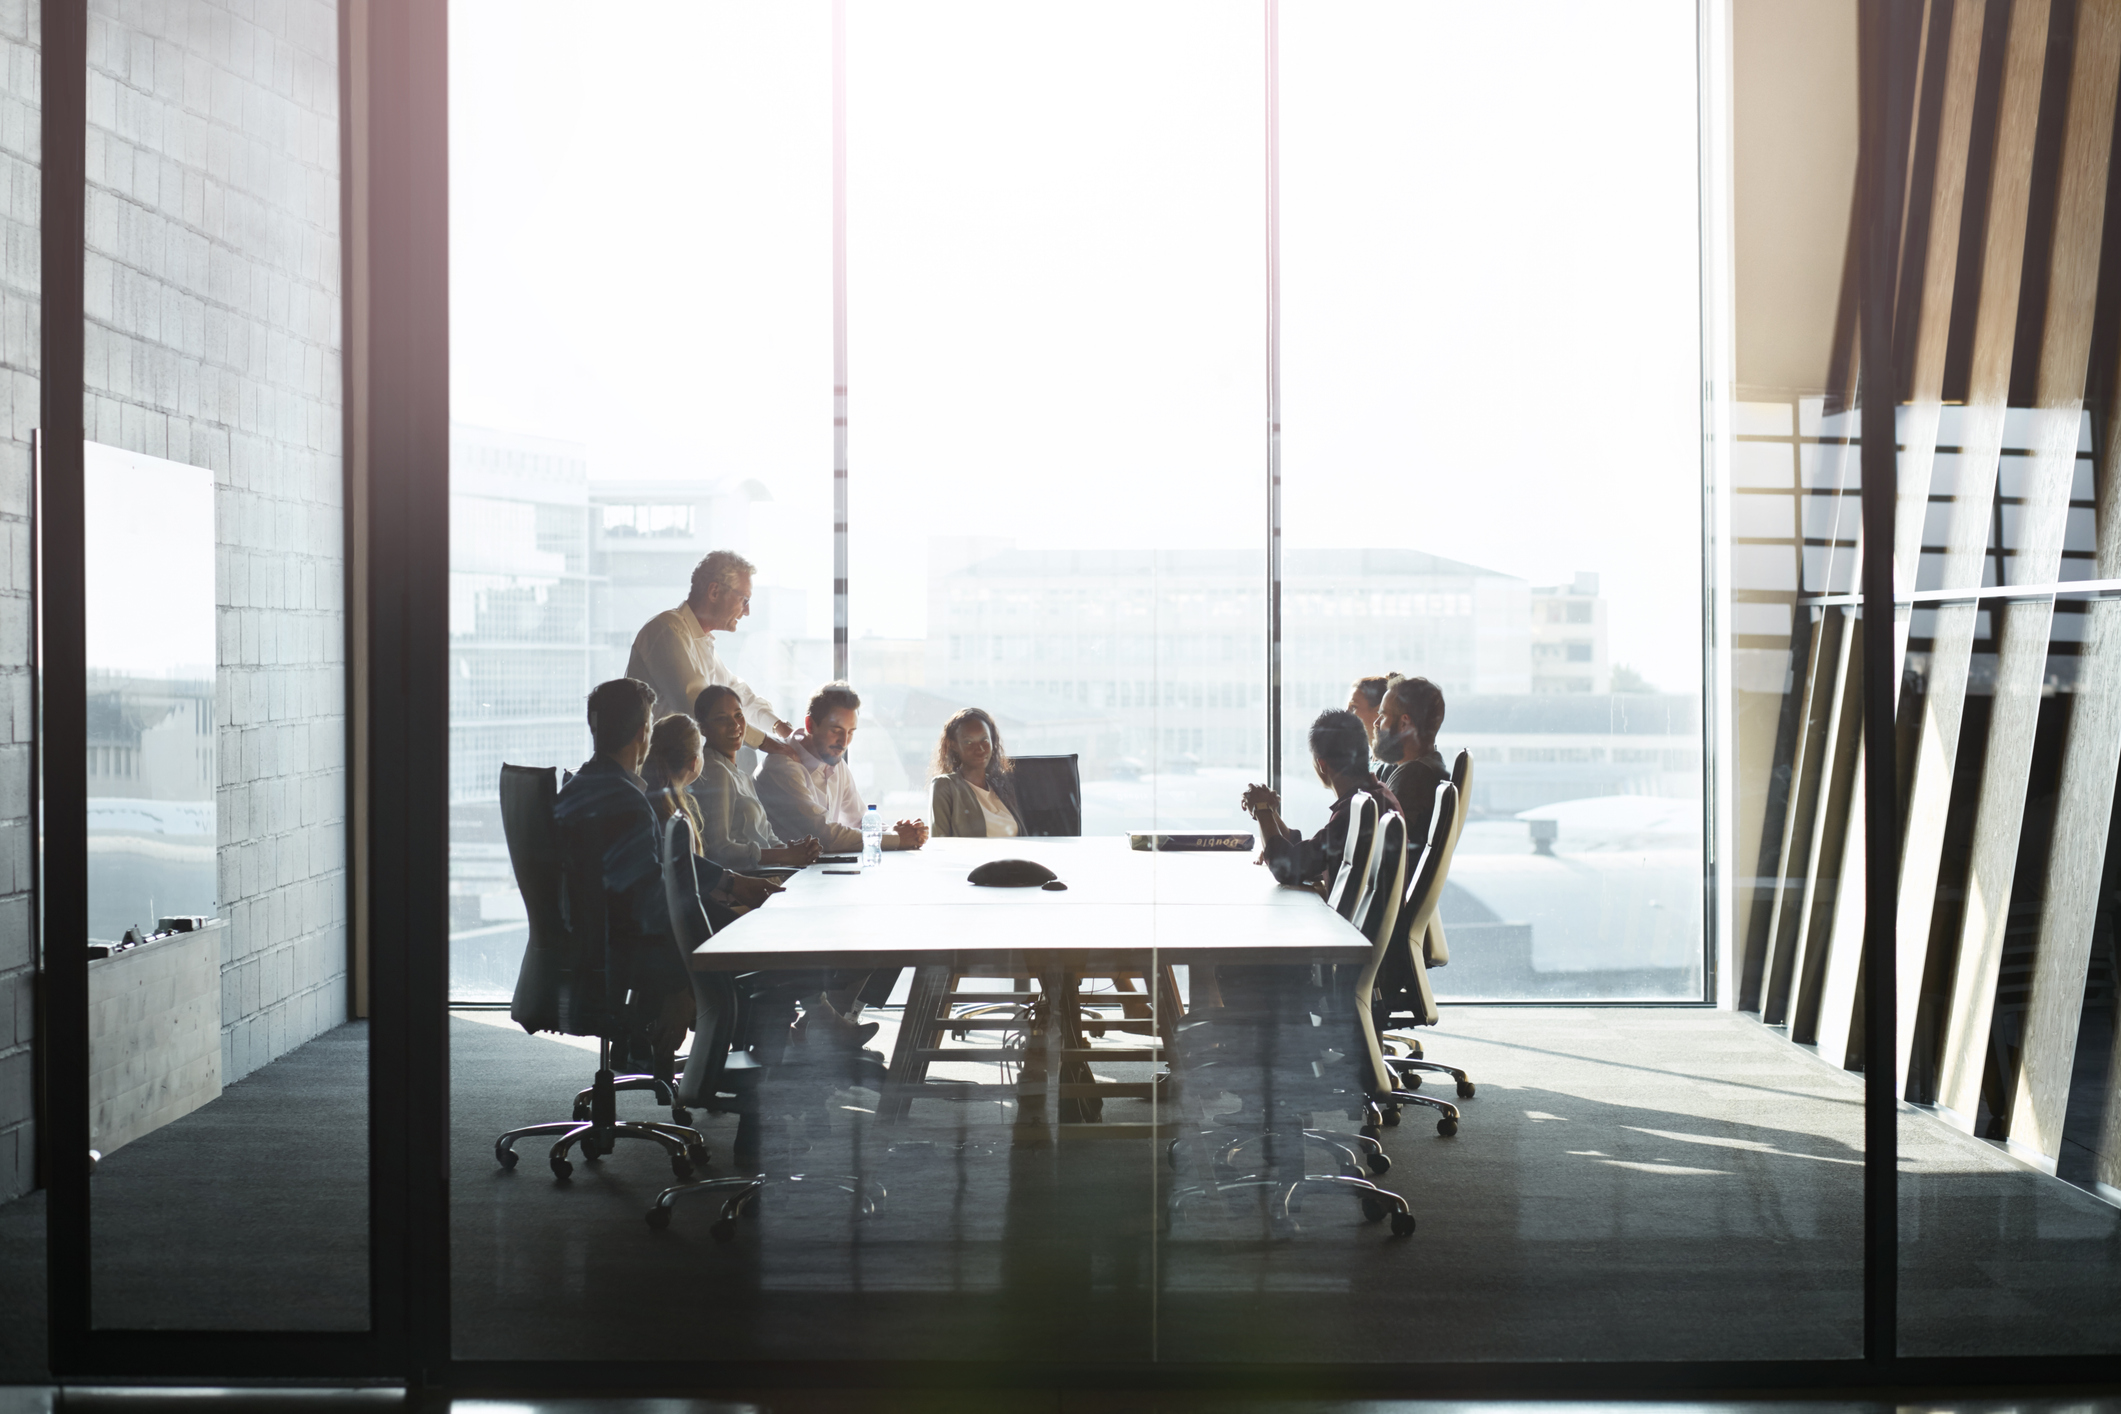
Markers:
(1057, 277)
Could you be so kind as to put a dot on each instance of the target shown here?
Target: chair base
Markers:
(743, 1194)
(665, 1095)
(1356, 1152)
(686, 1148)
(1410, 1072)
(597, 1128)
(1285, 1199)
(1447, 1113)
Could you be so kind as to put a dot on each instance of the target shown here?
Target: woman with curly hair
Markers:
(974, 793)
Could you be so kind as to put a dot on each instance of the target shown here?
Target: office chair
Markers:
(527, 796)
(1049, 795)
(1357, 877)
(1376, 920)
(563, 986)
(1286, 1042)
(739, 1046)
(1395, 982)
(1281, 1042)
(1404, 1053)
(1435, 949)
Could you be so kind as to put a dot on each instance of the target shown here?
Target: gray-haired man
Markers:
(674, 651)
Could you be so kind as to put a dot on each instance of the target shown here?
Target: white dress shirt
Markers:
(676, 657)
(733, 825)
(805, 796)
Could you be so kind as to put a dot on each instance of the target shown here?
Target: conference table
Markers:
(1127, 914)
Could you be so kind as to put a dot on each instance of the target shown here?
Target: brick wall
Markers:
(213, 338)
(20, 141)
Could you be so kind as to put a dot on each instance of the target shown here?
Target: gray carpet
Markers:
(1628, 1184)
(250, 1213)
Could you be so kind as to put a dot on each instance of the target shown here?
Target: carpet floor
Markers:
(1627, 1185)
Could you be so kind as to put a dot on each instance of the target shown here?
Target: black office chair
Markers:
(1049, 795)
(563, 986)
(527, 795)
(740, 1057)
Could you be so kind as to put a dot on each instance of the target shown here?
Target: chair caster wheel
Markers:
(1368, 1131)
(1391, 1118)
(505, 1157)
(680, 1115)
(1465, 1089)
(658, 1219)
(562, 1169)
(681, 1166)
(723, 1231)
(1379, 1164)
(1374, 1210)
(698, 1154)
(1402, 1224)
(1411, 1080)
(581, 1114)
(1447, 1126)
(1171, 1154)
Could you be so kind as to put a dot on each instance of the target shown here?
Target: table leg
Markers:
(917, 1027)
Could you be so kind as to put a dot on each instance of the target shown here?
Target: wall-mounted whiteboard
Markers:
(150, 565)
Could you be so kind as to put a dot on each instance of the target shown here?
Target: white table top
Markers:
(1121, 905)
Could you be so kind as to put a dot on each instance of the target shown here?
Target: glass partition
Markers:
(228, 1048)
(1493, 461)
(639, 358)
(2003, 752)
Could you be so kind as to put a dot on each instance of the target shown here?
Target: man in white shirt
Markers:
(674, 651)
(809, 790)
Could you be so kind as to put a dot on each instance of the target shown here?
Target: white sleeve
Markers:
(794, 813)
(759, 715)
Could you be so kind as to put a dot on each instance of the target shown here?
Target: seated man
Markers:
(733, 829)
(1340, 753)
(811, 791)
(1367, 696)
(1407, 724)
(608, 830)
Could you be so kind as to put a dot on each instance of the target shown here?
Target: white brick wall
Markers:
(20, 141)
(213, 339)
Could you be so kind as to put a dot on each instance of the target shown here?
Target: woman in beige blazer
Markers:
(973, 794)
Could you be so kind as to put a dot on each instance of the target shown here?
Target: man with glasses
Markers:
(674, 651)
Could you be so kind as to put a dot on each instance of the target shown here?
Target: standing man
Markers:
(674, 651)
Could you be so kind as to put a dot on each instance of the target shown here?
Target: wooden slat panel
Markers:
(1839, 964)
(1822, 654)
(1837, 796)
(1966, 540)
(2065, 352)
(1843, 965)
(1940, 272)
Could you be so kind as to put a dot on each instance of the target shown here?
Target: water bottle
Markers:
(872, 838)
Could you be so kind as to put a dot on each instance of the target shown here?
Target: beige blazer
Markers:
(954, 810)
